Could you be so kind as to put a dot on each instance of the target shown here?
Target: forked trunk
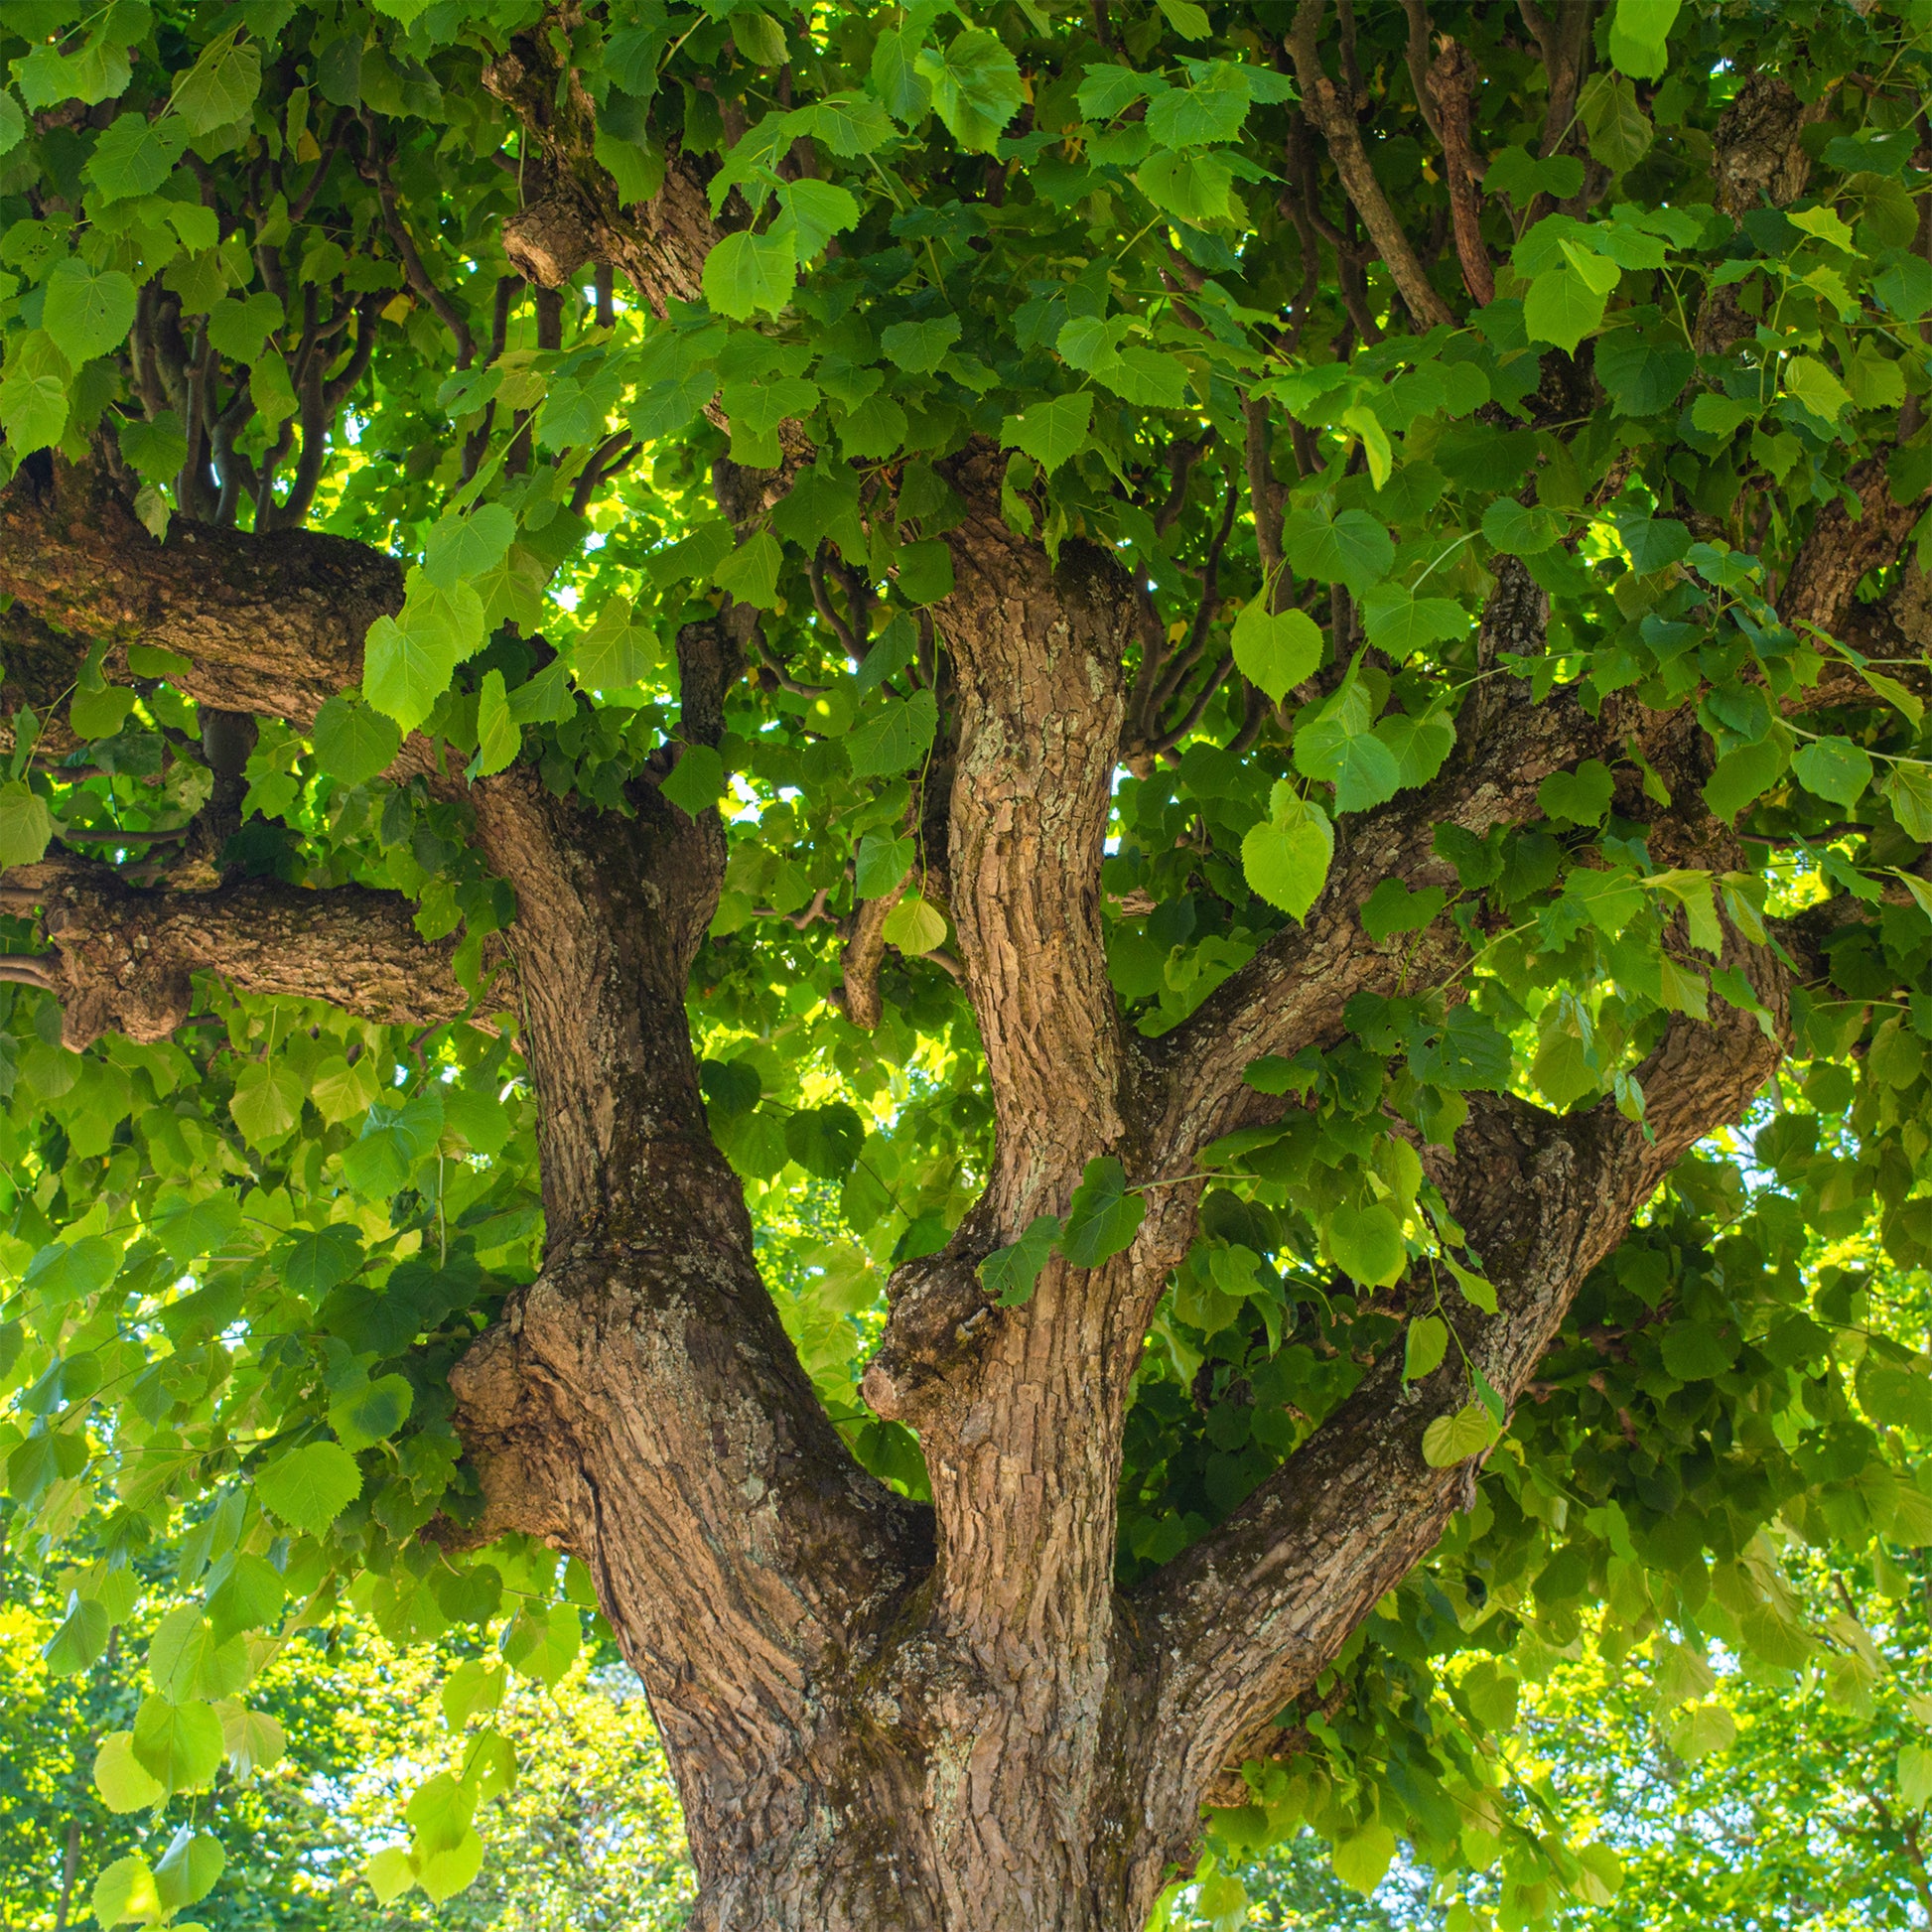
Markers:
(878, 1714)
(947, 1719)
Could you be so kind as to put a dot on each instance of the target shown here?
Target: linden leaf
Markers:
(221, 86)
(307, 1488)
(1050, 432)
(1701, 1731)
(373, 1413)
(88, 311)
(697, 781)
(1915, 1775)
(404, 672)
(1366, 1244)
(1362, 1858)
(1835, 768)
(975, 86)
(25, 826)
(1426, 1345)
(179, 1745)
(126, 1894)
(188, 1869)
(745, 272)
(1451, 1440)
(914, 926)
(1562, 308)
(1103, 1217)
(1275, 650)
(123, 1782)
(1012, 1272)
(1285, 857)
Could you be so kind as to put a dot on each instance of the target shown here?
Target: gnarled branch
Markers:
(573, 214)
(1843, 547)
(122, 958)
(270, 623)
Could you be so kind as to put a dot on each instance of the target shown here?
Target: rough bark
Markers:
(1293, 993)
(1760, 145)
(1843, 547)
(1021, 1412)
(1038, 655)
(864, 953)
(641, 1403)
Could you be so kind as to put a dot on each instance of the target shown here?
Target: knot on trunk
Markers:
(942, 1319)
(510, 1440)
(1759, 148)
(549, 241)
(105, 968)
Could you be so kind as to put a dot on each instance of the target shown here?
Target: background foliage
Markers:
(589, 1839)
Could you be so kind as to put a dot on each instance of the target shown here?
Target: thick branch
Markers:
(1415, 51)
(1247, 1619)
(418, 276)
(39, 667)
(864, 953)
(1037, 654)
(1293, 993)
(1759, 145)
(271, 624)
(121, 958)
(641, 1402)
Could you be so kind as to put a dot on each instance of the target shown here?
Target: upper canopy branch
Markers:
(1335, 118)
(1293, 993)
(121, 958)
(1249, 1617)
(572, 214)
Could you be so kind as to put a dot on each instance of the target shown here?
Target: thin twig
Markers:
(417, 275)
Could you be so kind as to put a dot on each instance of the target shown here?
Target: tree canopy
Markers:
(948, 833)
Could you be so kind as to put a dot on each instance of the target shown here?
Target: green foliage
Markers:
(1600, 1639)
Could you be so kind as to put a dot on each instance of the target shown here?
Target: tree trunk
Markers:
(883, 1714)
(862, 1737)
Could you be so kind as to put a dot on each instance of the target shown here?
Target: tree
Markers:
(1198, 686)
